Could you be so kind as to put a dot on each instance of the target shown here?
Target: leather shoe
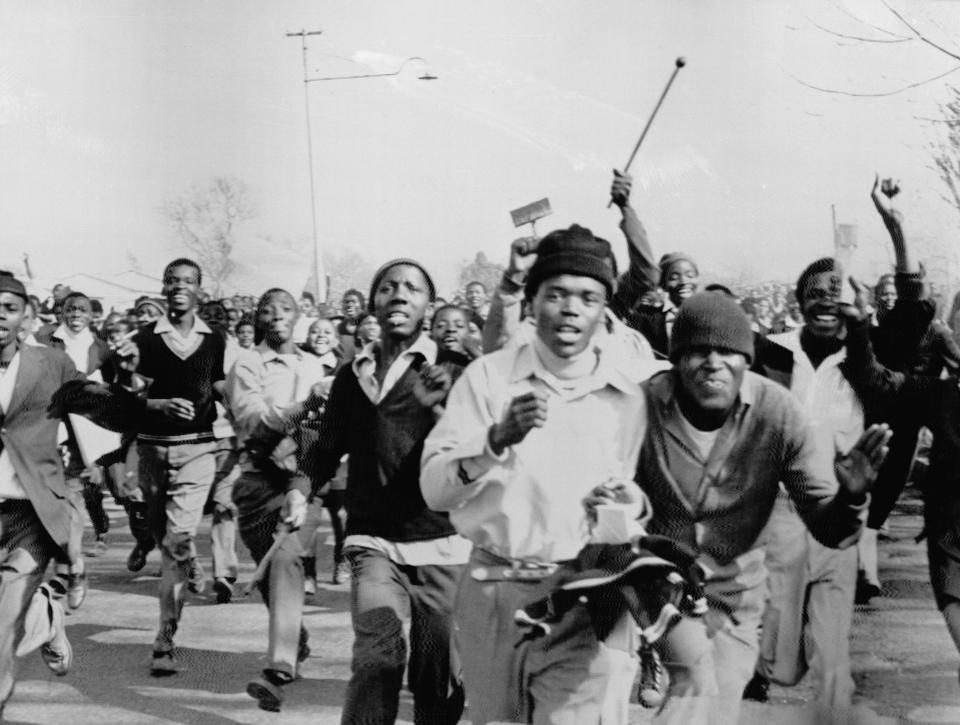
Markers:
(137, 559)
(164, 664)
(76, 589)
(269, 696)
(223, 589)
(57, 652)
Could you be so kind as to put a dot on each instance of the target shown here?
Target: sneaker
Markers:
(163, 664)
(57, 652)
(758, 689)
(269, 695)
(196, 579)
(341, 573)
(653, 678)
(223, 589)
(99, 547)
(309, 586)
(76, 589)
(137, 559)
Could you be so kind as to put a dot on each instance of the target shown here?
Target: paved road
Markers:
(904, 662)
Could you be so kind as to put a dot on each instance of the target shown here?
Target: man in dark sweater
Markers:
(182, 361)
(403, 556)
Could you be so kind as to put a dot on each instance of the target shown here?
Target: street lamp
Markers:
(426, 76)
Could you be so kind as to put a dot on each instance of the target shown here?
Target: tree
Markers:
(205, 220)
(346, 269)
(480, 269)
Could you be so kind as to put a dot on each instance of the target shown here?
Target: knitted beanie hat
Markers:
(824, 264)
(381, 273)
(572, 251)
(711, 320)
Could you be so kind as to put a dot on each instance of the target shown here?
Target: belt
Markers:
(175, 440)
(489, 567)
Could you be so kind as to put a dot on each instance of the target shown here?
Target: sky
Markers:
(109, 108)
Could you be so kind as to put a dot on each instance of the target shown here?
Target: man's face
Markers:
(77, 314)
(712, 377)
(60, 291)
(680, 281)
(12, 308)
(450, 329)
(306, 306)
(245, 335)
(146, 314)
(887, 296)
(214, 314)
(181, 287)
(322, 337)
(400, 302)
(350, 306)
(277, 316)
(476, 296)
(819, 307)
(567, 310)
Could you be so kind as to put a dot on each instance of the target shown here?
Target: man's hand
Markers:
(525, 413)
(523, 253)
(175, 408)
(432, 386)
(128, 356)
(294, 509)
(620, 189)
(857, 470)
(882, 195)
(861, 300)
(613, 491)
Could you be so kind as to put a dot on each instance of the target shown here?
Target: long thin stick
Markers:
(680, 63)
(261, 569)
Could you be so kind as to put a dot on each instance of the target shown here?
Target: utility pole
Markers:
(317, 257)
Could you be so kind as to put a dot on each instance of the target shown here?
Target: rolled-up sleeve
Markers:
(456, 454)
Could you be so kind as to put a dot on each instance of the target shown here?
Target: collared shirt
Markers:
(448, 550)
(527, 502)
(183, 346)
(826, 396)
(670, 312)
(10, 486)
(76, 345)
(263, 385)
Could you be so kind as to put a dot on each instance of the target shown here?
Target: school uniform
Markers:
(177, 458)
(403, 556)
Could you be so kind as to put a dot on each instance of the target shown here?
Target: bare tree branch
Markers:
(846, 12)
(858, 37)
(920, 36)
(879, 94)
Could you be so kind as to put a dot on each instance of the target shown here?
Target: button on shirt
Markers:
(10, 486)
(445, 551)
(527, 502)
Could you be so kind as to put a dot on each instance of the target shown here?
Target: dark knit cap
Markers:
(380, 273)
(9, 283)
(824, 264)
(711, 320)
(672, 258)
(574, 251)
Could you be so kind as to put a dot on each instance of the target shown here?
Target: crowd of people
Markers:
(579, 488)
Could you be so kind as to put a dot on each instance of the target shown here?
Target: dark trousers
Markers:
(382, 592)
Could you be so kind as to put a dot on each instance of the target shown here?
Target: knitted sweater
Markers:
(173, 377)
(384, 442)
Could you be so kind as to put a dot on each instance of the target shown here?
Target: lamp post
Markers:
(303, 34)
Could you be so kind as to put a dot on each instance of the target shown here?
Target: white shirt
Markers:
(183, 346)
(76, 345)
(10, 486)
(446, 551)
(527, 502)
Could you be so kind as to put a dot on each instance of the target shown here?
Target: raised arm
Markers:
(882, 194)
(643, 274)
(503, 319)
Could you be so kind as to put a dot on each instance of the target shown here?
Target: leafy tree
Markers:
(480, 269)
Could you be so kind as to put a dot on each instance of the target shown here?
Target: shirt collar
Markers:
(423, 345)
(65, 334)
(610, 370)
(165, 325)
(268, 354)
